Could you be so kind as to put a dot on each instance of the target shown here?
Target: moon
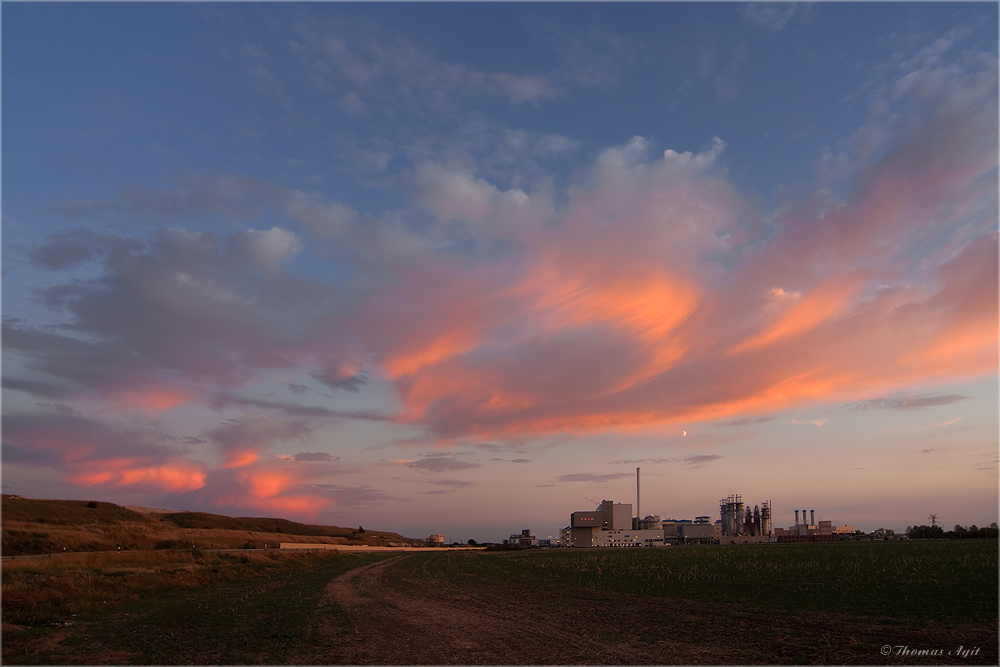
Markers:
(684, 432)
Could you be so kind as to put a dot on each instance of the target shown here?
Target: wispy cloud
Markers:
(945, 423)
(440, 463)
(695, 461)
(904, 402)
(814, 422)
(772, 16)
(744, 421)
(593, 477)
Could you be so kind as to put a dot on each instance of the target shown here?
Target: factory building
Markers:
(608, 516)
(525, 539)
(810, 531)
(627, 537)
(613, 525)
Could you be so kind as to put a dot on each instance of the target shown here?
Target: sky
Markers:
(461, 268)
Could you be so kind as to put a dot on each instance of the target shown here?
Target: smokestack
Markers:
(812, 517)
(796, 517)
(638, 514)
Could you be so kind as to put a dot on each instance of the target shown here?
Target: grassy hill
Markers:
(33, 526)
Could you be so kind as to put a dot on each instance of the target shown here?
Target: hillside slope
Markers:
(36, 526)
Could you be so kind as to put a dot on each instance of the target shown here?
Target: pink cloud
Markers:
(272, 486)
(245, 439)
(658, 298)
(176, 477)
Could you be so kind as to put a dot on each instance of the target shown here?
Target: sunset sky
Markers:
(461, 268)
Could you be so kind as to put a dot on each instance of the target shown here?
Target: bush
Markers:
(170, 544)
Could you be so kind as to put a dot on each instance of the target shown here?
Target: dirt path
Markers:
(399, 613)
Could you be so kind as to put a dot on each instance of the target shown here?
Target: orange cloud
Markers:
(826, 301)
(437, 350)
(265, 489)
(176, 477)
(238, 458)
(268, 483)
(155, 398)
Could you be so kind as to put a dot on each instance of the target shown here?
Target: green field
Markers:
(836, 603)
(933, 580)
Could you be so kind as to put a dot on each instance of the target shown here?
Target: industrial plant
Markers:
(614, 524)
(824, 531)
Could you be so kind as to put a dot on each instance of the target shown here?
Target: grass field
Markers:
(806, 603)
(215, 594)
(942, 579)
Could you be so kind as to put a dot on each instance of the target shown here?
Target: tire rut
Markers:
(398, 617)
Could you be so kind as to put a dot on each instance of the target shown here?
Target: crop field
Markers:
(757, 604)
(933, 580)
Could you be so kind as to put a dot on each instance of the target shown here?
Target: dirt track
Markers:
(400, 613)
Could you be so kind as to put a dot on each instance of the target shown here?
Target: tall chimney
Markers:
(812, 517)
(796, 517)
(638, 514)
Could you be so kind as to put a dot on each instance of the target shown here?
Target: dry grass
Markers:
(33, 526)
(20, 538)
(46, 591)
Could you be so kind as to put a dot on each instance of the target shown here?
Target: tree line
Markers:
(958, 533)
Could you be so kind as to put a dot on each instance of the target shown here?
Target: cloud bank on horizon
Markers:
(453, 270)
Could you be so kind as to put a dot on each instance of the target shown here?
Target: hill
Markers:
(36, 526)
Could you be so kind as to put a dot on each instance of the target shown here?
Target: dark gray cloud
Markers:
(592, 477)
(495, 447)
(219, 401)
(296, 388)
(196, 196)
(15, 454)
(74, 365)
(457, 483)
(315, 456)
(255, 434)
(696, 461)
(450, 484)
(354, 497)
(520, 460)
(334, 380)
(440, 463)
(700, 460)
(60, 407)
(904, 402)
(201, 309)
(74, 442)
(744, 421)
(61, 253)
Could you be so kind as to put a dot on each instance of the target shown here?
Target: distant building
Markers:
(627, 537)
(525, 539)
(823, 531)
(435, 540)
(609, 515)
